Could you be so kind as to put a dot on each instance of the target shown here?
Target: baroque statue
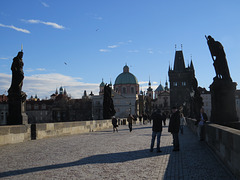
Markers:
(17, 74)
(219, 59)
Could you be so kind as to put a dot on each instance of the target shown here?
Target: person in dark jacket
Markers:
(201, 120)
(156, 129)
(174, 126)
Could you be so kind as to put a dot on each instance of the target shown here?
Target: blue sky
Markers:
(96, 38)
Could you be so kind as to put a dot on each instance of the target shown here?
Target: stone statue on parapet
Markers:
(108, 106)
(16, 97)
(219, 59)
(17, 75)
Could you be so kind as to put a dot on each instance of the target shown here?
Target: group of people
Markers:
(176, 124)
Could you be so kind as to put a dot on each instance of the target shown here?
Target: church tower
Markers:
(181, 80)
(150, 90)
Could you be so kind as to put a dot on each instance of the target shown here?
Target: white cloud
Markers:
(104, 50)
(98, 18)
(143, 82)
(45, 84)
(44, 4)
(133, 51)
(53, 24)
(15, 28)
(41, 69)
(4, 58)
(37, 69)
(113, 46)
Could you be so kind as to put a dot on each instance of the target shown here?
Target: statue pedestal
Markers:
(17, 109)
(223, 102)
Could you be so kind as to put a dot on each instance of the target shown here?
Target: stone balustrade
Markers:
(224, 141)
(14, 134)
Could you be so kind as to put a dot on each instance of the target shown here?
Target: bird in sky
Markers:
(65, 63)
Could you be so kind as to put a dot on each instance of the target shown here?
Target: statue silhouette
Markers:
(219, 59)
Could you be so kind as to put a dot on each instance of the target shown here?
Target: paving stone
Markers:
(108, 155)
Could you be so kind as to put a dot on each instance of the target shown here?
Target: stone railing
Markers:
(14, 134)
(224, 141)
(45, 130)
(20, 133)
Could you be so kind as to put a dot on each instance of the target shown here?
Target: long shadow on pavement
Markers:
(96, 159)
(194, 161)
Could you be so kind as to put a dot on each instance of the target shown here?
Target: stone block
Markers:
(4, 130)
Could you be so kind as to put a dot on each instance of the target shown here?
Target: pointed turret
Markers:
(179, 64)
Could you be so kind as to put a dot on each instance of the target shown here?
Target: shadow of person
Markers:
(95, 159)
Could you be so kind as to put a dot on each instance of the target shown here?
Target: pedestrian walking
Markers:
(174, 126)
(156, 129)
(182, 122)
(114, 123)
(201, 120)
(130, 119)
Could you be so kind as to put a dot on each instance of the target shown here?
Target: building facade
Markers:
(3, 109)
(124, 96)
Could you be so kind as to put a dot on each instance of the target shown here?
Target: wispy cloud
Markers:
(15, 28)
(133, 51)
(53, 24)
(98, 18)
(3, 58)
(115, 45)
(112, 46)
(45, 84)
(37, 69)
(150, 51)
(104, 50)
(44, 4)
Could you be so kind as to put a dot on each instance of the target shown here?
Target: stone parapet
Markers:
(224, 141)
(46, 130)
(14, 134)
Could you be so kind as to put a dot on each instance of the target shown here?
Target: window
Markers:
(132, 90)
(174, 83)
(124, 90)
(35, 106)
(28, 106)
(44, 106)
(184, 83)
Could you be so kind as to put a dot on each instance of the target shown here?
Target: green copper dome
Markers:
(126, 77)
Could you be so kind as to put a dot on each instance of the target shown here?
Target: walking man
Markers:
(156, 129)
(174, 126)
(114, 123)
(130, 119)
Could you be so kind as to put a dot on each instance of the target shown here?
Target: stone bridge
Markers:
(107, 155)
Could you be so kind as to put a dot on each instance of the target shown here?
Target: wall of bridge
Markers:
(224, 141)
(14, 134)
(20, 133)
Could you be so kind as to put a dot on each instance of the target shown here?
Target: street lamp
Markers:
(130, 110)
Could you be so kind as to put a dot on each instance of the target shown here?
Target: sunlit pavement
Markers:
(108, 155)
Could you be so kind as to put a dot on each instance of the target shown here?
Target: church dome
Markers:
(126, 77)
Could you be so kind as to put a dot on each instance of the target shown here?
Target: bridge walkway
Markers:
(108, 155)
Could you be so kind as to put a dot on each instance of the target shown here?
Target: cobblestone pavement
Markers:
(108, 155)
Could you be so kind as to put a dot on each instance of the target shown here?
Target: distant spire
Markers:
(175, 47)
(149, 84)
(181, 47)
(21, 47)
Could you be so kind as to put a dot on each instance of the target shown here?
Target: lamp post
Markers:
(192, 93)
(130, 109)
